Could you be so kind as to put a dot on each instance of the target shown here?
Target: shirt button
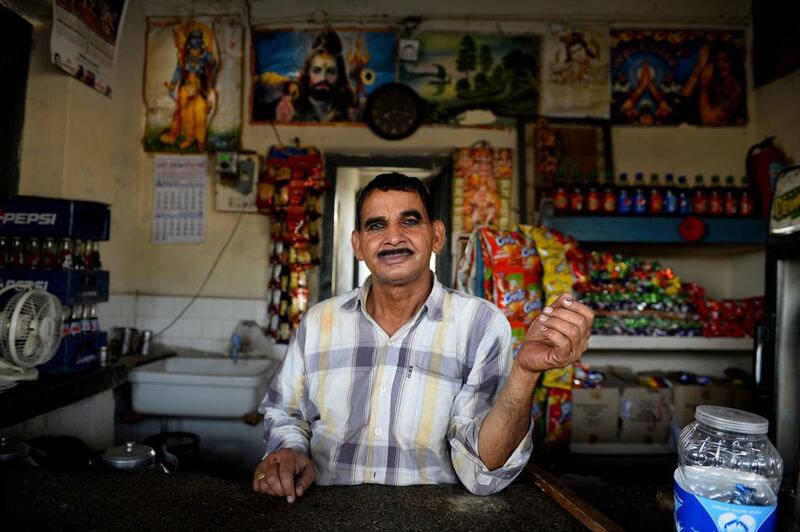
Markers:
(378, 431)
(382, 388)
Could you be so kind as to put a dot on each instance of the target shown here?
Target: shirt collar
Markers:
(433, 305)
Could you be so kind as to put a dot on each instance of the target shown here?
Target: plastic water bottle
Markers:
(729, 473)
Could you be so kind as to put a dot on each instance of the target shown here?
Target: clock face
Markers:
(393, 111)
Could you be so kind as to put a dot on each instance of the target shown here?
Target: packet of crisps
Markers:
(558, 378)
(518, 330)
(559, 416)
(510, 291)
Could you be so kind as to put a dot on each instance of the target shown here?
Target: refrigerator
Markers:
(777, 361)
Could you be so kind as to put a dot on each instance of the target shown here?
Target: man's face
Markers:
(396, 237)
(322, 75)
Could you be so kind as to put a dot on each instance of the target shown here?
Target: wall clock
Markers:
(394, 111)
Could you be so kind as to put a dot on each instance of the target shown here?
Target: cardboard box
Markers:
(595, 415)
(645, 413)
(686, 398)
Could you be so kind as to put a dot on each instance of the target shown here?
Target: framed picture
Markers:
(569, 147)
(321, 76)
(193, 84)
(667, 77)
(457, 72)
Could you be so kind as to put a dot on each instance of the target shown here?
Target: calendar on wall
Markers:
(179, 199)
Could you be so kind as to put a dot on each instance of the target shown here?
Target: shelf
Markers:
(668, 343)
(649, 230)
(620, 448)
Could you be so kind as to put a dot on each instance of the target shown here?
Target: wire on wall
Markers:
(208, 276)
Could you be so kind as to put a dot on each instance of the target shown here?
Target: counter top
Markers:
(99, 499)
(49, 392)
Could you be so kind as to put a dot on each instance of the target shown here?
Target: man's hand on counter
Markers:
(284, 473)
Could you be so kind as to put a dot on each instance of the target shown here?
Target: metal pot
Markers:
(137, 457)
(12, 451)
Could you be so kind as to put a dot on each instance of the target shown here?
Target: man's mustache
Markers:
(398, 251)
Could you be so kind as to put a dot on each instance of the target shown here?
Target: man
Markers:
(324, 93)
(404, 381)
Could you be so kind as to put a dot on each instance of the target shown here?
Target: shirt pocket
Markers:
(429, 389)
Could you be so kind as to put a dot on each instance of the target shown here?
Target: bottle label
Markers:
(609, 203)
(684, 204)
(593, 202)
(656, 203)
(700, 204)
(560, 200)
(698, 513)
(670, 202)
(640, 203)
(624, 203)
(576, 202)
(715, 204)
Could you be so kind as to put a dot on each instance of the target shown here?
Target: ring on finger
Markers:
(261, 476)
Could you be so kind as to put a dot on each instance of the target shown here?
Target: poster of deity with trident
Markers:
(318, 76)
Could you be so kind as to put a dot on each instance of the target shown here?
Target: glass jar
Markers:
(728, 474)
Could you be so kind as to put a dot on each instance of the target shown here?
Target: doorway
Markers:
(340, 271)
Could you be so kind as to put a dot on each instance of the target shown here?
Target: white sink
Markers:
(200, 387)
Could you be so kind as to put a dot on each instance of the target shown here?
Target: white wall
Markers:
(80, 144)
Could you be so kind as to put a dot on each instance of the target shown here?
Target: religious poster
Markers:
(481, 188)
(677, 76)
(568, 149)
(83, 42)
(575, 81)
(457, 72)
(193, 84)
(318, 76)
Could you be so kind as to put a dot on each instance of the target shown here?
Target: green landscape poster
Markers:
(457, 72)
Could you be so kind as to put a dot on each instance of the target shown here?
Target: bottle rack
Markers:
(29, 217)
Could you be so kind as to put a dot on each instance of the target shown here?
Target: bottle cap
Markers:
(732, 419)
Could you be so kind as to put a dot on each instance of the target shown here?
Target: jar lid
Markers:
(732, 419)
(13, 450)
(129, 456)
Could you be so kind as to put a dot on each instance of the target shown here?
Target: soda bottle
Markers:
(33, 253)
(670, 196)
(96, 255)
(594, 205)
(746, 204)
(639, 195)
(66, 314)
(560, 196)
(4, 250)
(609, 195)
(624, 197)
(731, 197)
(655, 196)
(49, 254)
(699, 196)
(77, 254)
(577, 200)
(716, 206)
(16, 255)
(684, 199)
(86, 323)
(94, 322)
(75, 321)
(65, 254)
(88, 257)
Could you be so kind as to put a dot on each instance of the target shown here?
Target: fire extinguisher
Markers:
(764, 162)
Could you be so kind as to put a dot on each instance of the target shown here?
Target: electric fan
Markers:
(30, 331)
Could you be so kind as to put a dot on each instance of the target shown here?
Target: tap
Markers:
(236, 346)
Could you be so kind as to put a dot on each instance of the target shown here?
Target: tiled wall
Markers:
(206, 326)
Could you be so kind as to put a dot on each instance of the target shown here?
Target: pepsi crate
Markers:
(33, 216)
(76, 353)
(71, 287)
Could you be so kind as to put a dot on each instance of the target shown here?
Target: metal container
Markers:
(128, 335)
(131, 456)
(145, 338)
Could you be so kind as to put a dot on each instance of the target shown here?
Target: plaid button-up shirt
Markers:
(401, 409)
